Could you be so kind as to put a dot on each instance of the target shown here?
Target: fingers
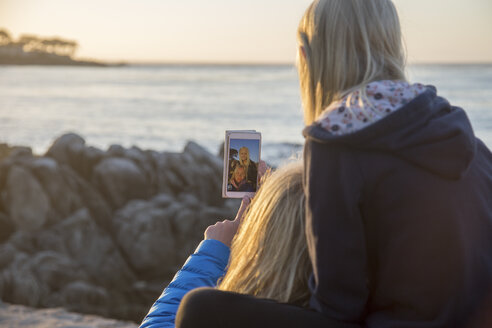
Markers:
(222, 231)
(242, 209)
(262, 169)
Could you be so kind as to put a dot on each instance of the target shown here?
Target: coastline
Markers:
(48, 59)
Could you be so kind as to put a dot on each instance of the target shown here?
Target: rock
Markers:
(70, 150)
(19, 284)
(201, 155)
(53, 271)
(184, 221)
(193, 172)
(93, 250)
(162, 200)
(4, 151)
(26, 202)
(190, 201)
(145, 161)
(39, 268)
(167, 181)
(120, 180)
(116, 151)
(21, 152)
(7, 255)
(36, 279)
(6, 227)
(23, 241)
(91, 197)
(83, 297)
(145, 235)
(62, 195)
(87, 159)
(63, 148)
(102, 232)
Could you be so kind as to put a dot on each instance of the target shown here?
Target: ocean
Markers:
(162, 107)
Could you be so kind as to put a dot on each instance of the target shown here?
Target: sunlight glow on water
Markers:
(162, 107)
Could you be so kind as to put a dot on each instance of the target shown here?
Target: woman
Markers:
(268, 256)
(238, 181)
(249, 165)
(399, 190)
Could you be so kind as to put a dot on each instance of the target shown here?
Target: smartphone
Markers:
(242, 151)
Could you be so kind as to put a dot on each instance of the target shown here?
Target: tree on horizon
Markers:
(5, 37)
(34, 43)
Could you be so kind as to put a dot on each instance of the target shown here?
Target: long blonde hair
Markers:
(346, 44)
(269, 256)
(236, 169)
(245, 163)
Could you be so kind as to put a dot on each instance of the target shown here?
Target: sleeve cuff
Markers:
(215, 249)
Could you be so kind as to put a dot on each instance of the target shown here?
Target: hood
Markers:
(427, 132)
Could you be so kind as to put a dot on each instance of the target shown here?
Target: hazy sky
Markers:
(236, 30)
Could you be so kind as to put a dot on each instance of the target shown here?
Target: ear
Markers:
(302, 51)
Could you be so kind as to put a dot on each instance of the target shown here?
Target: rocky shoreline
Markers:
(102, 232)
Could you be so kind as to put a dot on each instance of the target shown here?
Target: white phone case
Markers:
(244, 142)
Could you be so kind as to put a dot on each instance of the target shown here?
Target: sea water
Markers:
(162, 107)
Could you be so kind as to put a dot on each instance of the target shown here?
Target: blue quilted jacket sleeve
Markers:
(202, 269)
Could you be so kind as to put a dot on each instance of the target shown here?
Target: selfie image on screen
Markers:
(243, 165)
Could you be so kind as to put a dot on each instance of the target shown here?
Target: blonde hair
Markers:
(269, 256)
(246, 163)
(346, 45)
(237, 168)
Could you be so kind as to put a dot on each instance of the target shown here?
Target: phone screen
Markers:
(242, 155)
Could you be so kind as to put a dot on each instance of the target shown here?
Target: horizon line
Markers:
(267, 63)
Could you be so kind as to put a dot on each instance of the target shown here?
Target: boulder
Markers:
(7, 255)
(202, 155)
(4, 151)
(70, 150)
(145, 235)
(65, 147)
(21, 152)
(25, 200)
(193, 172)
(6, 227)
(19, 284)
(84, 297)
(88, 159)
(145, 161)
(90, 196)
(63, 196)
(167, 180)
(93, 250)
(47, 268)
(120, 180)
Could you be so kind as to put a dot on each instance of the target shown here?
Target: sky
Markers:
(242, 31)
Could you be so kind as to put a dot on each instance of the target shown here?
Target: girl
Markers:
(268, 257)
